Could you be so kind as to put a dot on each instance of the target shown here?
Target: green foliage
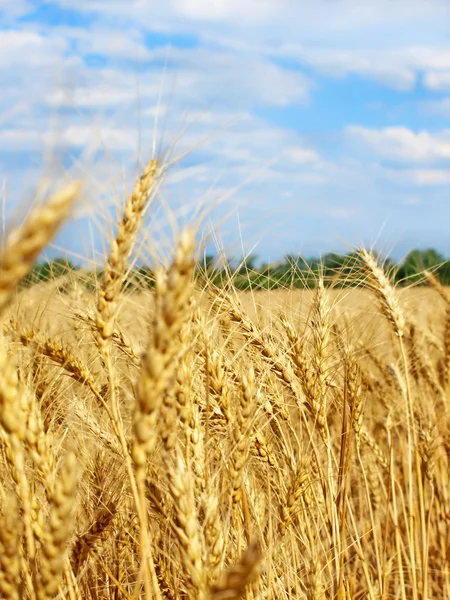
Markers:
(417, 261)
(293, 271)
(139, 279)
(46, 271)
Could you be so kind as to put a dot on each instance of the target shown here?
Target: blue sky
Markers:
(312, 125)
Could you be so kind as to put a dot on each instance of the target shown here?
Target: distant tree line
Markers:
(293, 271)
(48, 270)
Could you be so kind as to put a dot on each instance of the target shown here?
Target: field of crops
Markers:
(203, 443)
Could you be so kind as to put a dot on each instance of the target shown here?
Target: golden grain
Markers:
(294, 418)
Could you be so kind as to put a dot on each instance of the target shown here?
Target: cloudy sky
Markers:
(306, 126)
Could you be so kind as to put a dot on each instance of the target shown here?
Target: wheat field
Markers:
(191, 442)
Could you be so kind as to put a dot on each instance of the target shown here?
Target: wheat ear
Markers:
(89, 540)
(158, 368)
(384, 291)
(13, 411)
(239, 576)
(121, 247)
(9, 550)
(58, 533)
(158, 373)
(187, 526)
(26, 242)
(242, 433)
(62, 356)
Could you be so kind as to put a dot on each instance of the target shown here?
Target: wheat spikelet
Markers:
(316, 589)
(437, 285)
(298, 495)
(217, 375)
(215, 542)
(373, 478)
(88, 541)
(26, 242)
(262, 448)
(158, 373)
(385, 292)
(38, 444)
(313, 394)
(57, 535)
(62, 356)
(321, 339)
(121, 247)
(239, 576)
(375, 448)
(187, 526)
(176, 405)
(242, 434)
(444, 365)
(14, 403)
(166, 585)
(420, 365)
(158, 368)
(281, 368)
(10, 552)
(355, 398)
(183, 390)
(427, 450)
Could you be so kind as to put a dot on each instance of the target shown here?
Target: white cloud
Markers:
(200, 79)
(116, 43)
(234, 77)
(390, 43)
(105, 95)
(220, 10)
(387, 42)
(248, 149)
(104, 40)
(27, 48)
(75, 136)
(302, 155)
(301, 16)
(22, 139)
(402, 144)
(431, 177)
(11, 9)
(385, 67)
(426, 178)
(438, 81)
(345, 36)
(395, 66)
(232, 67)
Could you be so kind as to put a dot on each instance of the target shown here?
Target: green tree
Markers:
(416, 261)
(247, 265)
(44, 271)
